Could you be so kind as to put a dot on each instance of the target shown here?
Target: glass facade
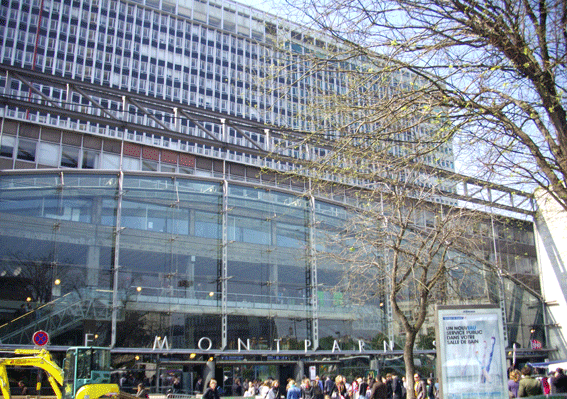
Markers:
(64, 233)
(157, 249)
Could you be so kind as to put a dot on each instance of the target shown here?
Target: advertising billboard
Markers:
(471, 357)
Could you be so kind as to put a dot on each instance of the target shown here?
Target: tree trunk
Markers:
(408, 362)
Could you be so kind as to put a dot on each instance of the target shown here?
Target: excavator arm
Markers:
(38, 358)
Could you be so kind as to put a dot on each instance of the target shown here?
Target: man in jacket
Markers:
(293, 392)
(529, 386)
(558, 382)
(379, 390)
(397, 386)
(329, 386)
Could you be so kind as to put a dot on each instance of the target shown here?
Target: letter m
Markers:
(161, 343)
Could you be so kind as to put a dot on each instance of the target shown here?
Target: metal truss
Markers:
(58, 316)
(88, 103)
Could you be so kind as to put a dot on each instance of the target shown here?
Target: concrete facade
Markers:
(551, 243)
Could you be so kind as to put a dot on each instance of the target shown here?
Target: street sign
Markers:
(40, 338)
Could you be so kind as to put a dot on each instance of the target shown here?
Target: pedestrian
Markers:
(529, 386)
(328, 387)
(431, 389)
(23, 388)
(306, 389)
(317, 390)
(320, 383)
(237, 388)
(419, 387)
(370, 382)
(269, 395)
(199, 385)
(293, 392)
(545, 381)
(514, 383)
(389, 386)
(379, 390)
(340, 389)
(362, 388)
(142, 392)
(405, 387)
(397, 387)
(176, 386)
(354, 389)
(559, 382)
(279, 389)
(212, 391)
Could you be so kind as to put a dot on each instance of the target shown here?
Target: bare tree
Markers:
(496, 70)
(400, 242)
(398, 85)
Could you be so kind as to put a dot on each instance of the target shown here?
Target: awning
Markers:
(551, 365)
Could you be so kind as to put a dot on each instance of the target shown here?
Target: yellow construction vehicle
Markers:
(85, 373)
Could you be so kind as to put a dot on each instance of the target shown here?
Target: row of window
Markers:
(224, 85)
(65, 156)
(252, 98)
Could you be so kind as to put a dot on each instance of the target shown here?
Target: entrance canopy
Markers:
(551, 365)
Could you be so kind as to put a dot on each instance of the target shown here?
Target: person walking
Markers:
(23, 389)
(419, 387)
(397, 387)
(514, 383)
(317, 391)
(293, 392)
(212, 391)
(379, 390)
(339, 389)
(558, 382)
(529, 386)
(142, 392)
(328, 387)
(306, 389)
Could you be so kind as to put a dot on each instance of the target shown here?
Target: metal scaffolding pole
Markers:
(116, 268)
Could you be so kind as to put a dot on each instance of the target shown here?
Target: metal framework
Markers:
(169, 120)
(58, 316)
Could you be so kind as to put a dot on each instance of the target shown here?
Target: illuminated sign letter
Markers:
(161, 343)
(208, 347)
(89, 338)
(241, 343)
(336, 346)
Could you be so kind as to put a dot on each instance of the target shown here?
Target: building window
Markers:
(149, 166)
(69, 157)
(7, 145)
(48, 154)
(26, 150)
(90, 159)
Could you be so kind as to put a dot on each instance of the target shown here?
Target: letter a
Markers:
(336, 346)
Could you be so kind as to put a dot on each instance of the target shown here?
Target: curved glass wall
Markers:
(189, 258)
(63, 234)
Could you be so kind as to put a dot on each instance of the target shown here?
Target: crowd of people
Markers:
(523, 383)
(390, 386)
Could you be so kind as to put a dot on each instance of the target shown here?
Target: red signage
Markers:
(40, 338)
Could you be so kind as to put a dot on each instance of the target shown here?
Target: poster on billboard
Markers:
(471, 357)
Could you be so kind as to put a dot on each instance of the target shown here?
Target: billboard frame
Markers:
(471, 352)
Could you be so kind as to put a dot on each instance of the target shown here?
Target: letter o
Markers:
(210, 344)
